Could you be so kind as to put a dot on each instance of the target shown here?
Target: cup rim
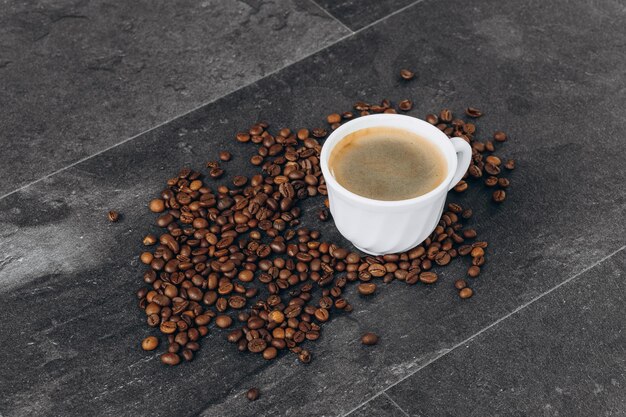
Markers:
(387, 119)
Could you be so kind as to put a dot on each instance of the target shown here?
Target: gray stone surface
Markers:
(381, 406)
(78, 76)
(70, 330)
(357, 14)
(562, 356)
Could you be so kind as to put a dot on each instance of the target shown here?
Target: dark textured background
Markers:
(544, 334)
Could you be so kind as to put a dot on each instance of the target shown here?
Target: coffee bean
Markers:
(405, 105)
(369, 339)
(499, 196)
(461, 186)
(491, 181)
(223, 321)
(503, 182)
(428, 277)
(466, 293)
(377, 270)
(459, 284)
(113, 216)
(305, 356)
(473, 112)
(257, 345)
(509, 164)
(443, 258)
(216, 172)
(170, 359)
(473, 271)
(407, 74)
(499, 136)
(323, 215)
(149, 240)
(252, 394)
(270, 353)
(333, 118)
(156, 205)
(225, 156)
(149, 343)
(322, 314)
(367, 288)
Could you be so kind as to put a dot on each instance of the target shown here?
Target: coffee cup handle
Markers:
(464, 156)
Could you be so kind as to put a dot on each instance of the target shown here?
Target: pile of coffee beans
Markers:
(236, 256)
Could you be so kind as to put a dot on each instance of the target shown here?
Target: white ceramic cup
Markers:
(380, 227)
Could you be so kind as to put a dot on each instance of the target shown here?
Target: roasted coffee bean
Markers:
(270, 353)
(473, 271)
(305, 356)
(473, 112)
(428, 277)
(407, 74)
(459, 284)
(377, 270)
(405, 105)
(509, 164)
(367, 288)
(333, 118)
(503, 182)
(369, 339)
(149, 343)
(156, 205)
(461, 186)
(257, 345)
(499, 196)
(225, 156)
(499, 136)
(252, 394)
(170, 359)
(113, 216)
(223, 321)
(321, 314)
(491, 181)
(466, 293)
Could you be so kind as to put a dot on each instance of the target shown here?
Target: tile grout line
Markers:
(198, 107)
(495, 323)
(396, 404)
(329, 14)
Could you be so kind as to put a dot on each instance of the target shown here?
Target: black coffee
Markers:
(388, 164)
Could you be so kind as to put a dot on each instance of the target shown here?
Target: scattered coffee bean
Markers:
(252, 394)
(333, 118)
(466, 293)
(473, 271)
(223, 321)
(473, 112)
(170, 359)
(113, 216)
(405, 105)
(225, 156)
(509, 164)
(156, 205)
(367, 288)
(407, 74)
(150, 240)
(499, 196)
(428, 277)
(305, 356)
(369, 339)
(499, 136)
(149, 343)
(459, 284)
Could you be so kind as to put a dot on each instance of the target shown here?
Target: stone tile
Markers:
(359, 13)
(381, 406)
(78, 77)
(561, 356)
(72, 274)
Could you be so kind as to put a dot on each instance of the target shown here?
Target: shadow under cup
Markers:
(380, 227)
